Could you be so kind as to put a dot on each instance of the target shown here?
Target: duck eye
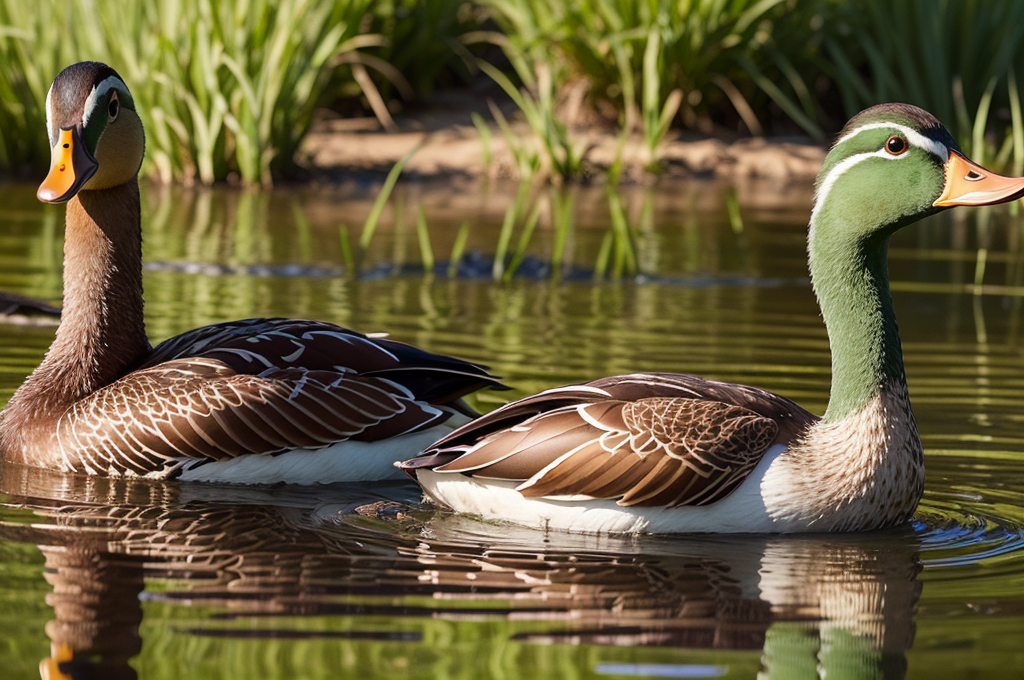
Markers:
(113, 107)
(896, 145)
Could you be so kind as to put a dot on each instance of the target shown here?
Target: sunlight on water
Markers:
(164, 580)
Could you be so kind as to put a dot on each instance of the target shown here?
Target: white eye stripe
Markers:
(913, 136)
(49, 118)
(99, 93)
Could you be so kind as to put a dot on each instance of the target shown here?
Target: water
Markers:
(165, 580)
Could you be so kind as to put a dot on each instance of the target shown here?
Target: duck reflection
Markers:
(811, 605)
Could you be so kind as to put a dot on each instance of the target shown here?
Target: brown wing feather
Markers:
(643, 439)
(156, 419)
(679, 448)
(792, 418)
(254, 345)
(261, 386)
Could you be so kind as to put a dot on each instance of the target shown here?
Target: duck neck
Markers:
(102, 333)
(851, 281)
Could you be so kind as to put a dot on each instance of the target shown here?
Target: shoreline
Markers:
(451, 148)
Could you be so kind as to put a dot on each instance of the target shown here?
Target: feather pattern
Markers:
(650, 439)
(258, 386)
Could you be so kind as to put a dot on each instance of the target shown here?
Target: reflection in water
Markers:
(95, 600)
(813, 606)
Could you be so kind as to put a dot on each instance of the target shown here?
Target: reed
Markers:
(225, 88)
(228, 88)
(755, 64)
(423, 42)
(703, 60)
(536, 227)
(958, 62)
(556, 154)
(423, 238)
(458, 249)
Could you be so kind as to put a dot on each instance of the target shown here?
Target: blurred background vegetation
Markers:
(228, 88)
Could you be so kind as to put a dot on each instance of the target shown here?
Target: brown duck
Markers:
(252, 401)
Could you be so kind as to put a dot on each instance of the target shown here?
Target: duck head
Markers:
(96, 136)
(893, 164)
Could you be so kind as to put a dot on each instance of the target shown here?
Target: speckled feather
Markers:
(643, 439)
(259, 386)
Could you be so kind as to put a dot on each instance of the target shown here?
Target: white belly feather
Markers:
(345, 461)
(741, 511)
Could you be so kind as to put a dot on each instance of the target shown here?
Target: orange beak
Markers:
(967, 183)
(50, 667)
(71, 166)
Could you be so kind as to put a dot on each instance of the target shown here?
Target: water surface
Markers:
(165, 580)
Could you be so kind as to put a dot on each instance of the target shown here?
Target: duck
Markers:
(676, 453)
(253, 401)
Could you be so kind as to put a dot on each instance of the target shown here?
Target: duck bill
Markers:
(71, 166)
(967, 183)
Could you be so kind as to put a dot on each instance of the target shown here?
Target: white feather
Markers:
(346, 461)
(99, 94)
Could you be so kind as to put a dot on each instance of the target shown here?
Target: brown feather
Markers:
(642, 439)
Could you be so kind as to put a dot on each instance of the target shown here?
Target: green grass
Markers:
(537, 224)
(224, 88)
(424, 42)
(648, 66)
(555, 154)
(957, 62)
(756, 65)
(228, 89)
(694, 62)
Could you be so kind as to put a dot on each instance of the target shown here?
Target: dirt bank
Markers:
(450, 147)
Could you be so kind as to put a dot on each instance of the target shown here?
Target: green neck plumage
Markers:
(851, 280)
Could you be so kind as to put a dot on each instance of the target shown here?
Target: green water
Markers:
(175, 581)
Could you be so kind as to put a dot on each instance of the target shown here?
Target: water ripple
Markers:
(976, 521)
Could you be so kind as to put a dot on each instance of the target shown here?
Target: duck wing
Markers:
(158, 419)
(260, 386)
(254, 345)
(643, 439)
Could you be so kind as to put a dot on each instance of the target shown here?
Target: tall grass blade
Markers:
(485, 139)
(1017, 124)
(370, 226)
(732, 207)
(458, 249)
(623, 251)
(604, 256)
(423, 237)
(345, 245)
(562, 208)
(303, 229)
(524, 243)
(981, 122)
(507, 226)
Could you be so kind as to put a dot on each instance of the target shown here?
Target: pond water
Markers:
(138, 579)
